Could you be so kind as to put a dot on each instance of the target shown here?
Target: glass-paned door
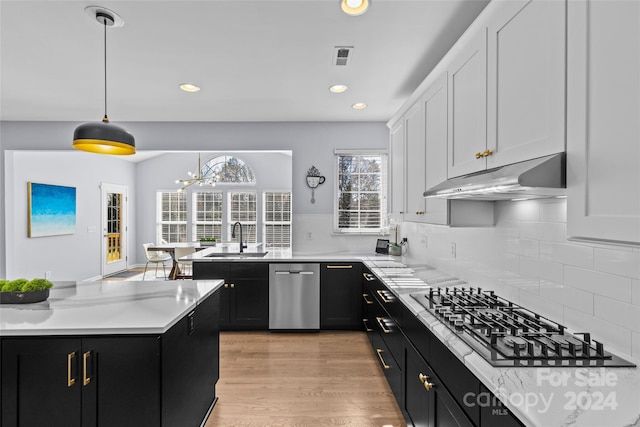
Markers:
(114, 227)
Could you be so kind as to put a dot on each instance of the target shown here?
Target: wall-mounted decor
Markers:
(52, 210)
(313, 180)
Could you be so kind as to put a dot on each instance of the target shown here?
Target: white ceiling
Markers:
(257, 60)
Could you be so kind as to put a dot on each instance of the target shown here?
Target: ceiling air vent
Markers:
(342, 55)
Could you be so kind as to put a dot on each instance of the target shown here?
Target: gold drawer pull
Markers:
(366, 326)
(384, 297)
(70, 381)
(425, 381)
(85, 380)
(384, 329)
(384, 364)
(368, 277)
(368, 301)
(339, 266)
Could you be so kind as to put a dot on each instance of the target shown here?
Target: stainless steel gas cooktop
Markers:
(507, 334)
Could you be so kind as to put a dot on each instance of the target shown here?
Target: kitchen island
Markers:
(112, 353)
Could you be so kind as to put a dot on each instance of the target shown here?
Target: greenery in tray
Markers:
(24, 285)
(208, 239)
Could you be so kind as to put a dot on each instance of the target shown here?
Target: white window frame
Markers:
(266, 223)
(229, 221)
(160, 222)
(383, 193)
(194, 214)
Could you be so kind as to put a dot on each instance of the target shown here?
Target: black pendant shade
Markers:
(103, 138)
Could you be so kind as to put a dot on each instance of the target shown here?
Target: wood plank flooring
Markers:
(301, 379)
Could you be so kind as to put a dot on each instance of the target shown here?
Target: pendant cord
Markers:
(105, 68)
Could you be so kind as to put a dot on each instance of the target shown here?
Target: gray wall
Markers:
(68, 257)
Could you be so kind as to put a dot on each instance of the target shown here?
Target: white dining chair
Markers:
(157, 257)
(184, 266)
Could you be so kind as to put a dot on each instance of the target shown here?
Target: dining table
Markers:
(170, 248)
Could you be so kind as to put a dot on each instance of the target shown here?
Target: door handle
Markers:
(384, 328)
(366, 300)
(368, 277)
(85, 379)
(366, 326)
(384, 297)
(384, 364)
(70, 381)
(339, 266)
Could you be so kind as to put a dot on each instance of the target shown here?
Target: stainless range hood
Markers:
(544, 177)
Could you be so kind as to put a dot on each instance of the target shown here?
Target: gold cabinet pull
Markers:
(384, 297)
(384, 364)
(425, 381)
(384, 328)
(226, 285)
(366, 326)
(339, 266)
(366, 300)
(487, 153)
(70, 381)
(478, 155)
(85, 380)
(368, 277)
(233, 285)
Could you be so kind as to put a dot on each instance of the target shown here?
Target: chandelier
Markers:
(198, 178)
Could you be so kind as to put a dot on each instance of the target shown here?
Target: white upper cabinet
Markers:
(603, 125)
(434, 108)
(396, 148)
(415, 156)
(468, 105)
(526, 81)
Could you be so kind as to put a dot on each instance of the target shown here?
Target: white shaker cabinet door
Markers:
(434, 107)
(468, 105)
(397, 149)
(526, 83)
(603, 125)
(414, 135)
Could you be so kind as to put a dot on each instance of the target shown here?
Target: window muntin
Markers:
(277, 219)
(172, 217)
(242, 207)
(207, 215)
(228, 169)
(361, 192)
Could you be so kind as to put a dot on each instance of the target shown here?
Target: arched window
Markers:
(228, 169)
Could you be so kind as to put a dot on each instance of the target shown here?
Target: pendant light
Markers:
(104, 137)
(354, 7)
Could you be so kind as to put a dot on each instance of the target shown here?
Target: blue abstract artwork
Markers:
(52, 210)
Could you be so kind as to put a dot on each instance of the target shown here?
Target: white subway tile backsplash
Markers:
(618, 312)
(596, 282)
(617, 262)
(543, 269)
(579, 256)
(608, 333)
(526, 258)
(568, 296)
(553, 211)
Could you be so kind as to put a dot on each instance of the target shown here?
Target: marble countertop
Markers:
(227, 252)
(106, 307)
(539, 397)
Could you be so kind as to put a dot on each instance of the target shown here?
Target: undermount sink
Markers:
(236, 254)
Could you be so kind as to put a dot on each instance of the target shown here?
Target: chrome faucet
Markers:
(233, 235)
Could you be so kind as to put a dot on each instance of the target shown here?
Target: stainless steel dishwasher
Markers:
(294, 297)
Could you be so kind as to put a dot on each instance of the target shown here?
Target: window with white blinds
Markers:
(242, 207)
(207, 215)
(361, 189)
(171, 211)
(277, 219)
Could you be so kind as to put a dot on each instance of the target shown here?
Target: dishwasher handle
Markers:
(295, 272)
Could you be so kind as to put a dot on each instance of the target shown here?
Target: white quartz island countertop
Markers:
(106, 307)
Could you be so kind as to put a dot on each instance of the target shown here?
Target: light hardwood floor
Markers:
(301, 379)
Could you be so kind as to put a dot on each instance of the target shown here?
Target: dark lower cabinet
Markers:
(244, 297)
(340, 287)
(145, 380)
(427, 401)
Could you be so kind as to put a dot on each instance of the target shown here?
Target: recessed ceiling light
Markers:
(189, 87)
(354, 7)
(338, 88)
(359, 106)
